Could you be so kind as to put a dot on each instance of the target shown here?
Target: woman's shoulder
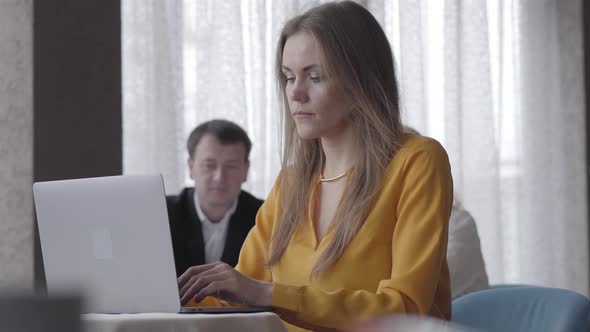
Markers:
(416, 145)
(416, 155)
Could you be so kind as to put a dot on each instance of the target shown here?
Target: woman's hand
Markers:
(225, 283)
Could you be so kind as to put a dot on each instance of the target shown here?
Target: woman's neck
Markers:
(340, 151)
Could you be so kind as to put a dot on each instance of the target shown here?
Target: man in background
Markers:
(209, 222)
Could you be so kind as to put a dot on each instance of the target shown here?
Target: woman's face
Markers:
(317, 107)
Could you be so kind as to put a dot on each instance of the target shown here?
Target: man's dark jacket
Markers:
(187, 235)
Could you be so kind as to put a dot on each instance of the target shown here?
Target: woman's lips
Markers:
(303, 115)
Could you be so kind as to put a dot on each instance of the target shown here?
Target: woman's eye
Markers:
(315, 76)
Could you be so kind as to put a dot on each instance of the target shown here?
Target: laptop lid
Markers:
(109, 238)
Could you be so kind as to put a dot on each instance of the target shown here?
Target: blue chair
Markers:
(510, 285)
(523, 309)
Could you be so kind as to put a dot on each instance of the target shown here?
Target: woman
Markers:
(356, 225)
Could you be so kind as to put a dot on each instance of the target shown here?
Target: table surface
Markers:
(162, 322)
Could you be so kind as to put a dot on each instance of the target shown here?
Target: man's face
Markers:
(218, 171)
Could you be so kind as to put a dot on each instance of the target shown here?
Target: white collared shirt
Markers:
(466, 264)
(214, 234)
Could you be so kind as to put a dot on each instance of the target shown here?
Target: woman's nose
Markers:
(299, 91)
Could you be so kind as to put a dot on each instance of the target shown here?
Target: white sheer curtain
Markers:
(498, 82)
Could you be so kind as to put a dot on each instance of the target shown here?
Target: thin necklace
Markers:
(322, 179)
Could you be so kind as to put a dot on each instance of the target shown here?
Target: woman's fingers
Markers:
(212, 289)
(182, 290)
(195, 270)
(199, 277)
(200, 283)
(195, 278)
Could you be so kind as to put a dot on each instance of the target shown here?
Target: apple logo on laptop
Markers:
(102, 244)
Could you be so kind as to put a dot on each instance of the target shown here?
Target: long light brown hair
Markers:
(358, 61)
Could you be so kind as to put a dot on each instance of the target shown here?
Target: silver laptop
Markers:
(109, 239)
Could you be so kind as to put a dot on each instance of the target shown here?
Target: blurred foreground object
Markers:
(28, 313)
(409, 323)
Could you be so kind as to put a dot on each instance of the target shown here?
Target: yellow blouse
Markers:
(396, 263)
